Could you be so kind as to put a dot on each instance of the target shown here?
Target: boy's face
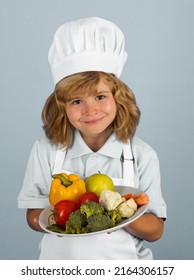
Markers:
(92, 114)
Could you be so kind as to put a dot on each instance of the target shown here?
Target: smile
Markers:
(93, 121)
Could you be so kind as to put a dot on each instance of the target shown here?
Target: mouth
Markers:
(93, 121)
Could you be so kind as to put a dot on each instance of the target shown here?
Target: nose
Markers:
(90, 108)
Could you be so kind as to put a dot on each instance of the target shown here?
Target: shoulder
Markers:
(144, 155)
(141, 148)
(44, 147)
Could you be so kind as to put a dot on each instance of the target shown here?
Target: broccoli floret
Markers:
(76, 223)
(98, 222)
(90, 207)
(114, 216)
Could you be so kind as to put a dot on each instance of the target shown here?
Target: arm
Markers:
(147, 174)
(36, 184)
(32, 216)
(147, 227)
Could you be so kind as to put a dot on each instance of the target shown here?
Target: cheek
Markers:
(72, 114)
(111, 108)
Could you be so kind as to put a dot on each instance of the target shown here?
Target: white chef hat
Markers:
(90, 44)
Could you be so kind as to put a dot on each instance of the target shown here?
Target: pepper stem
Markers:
(64, 181)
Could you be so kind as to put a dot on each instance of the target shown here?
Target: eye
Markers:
(76, 102)
(100, 97)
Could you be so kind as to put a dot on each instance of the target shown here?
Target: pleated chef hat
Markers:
(90, 44)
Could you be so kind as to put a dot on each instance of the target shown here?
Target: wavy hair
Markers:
(55, 121)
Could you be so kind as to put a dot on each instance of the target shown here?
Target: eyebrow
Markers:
(72, 99)
(103, 91)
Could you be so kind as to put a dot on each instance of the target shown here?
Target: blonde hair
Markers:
(55, 121)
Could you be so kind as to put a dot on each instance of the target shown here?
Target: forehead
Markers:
(88, 89)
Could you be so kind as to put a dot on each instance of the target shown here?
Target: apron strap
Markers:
(128, 168)
(59, 159)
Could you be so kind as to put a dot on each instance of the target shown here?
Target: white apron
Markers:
(114, 246)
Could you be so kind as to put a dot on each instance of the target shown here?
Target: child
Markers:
(90, 122)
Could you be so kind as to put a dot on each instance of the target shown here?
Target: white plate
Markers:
(43, 219)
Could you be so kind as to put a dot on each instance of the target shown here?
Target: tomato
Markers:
(62, 211)
(88, 196)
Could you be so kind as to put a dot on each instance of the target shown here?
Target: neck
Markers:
(95, 142)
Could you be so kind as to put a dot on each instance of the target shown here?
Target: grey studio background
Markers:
(160, 71)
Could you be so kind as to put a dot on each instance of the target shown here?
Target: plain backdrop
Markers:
(160, 71)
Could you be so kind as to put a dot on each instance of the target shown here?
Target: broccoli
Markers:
(56, 228)
(90, 217)
(76, 223)
(90, 207)
(97, 222)
(114, 216)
